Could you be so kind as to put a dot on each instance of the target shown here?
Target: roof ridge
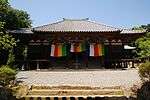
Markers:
(49, 24)
(64, 19)
(84, 19)
(103, 24)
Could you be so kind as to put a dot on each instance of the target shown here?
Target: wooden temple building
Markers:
(76, 44)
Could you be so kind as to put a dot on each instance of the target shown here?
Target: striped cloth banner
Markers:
(58, 50)
(96, 50)
(77, 47)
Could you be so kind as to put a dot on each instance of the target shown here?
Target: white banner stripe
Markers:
(91, 50)
(72, 48)
(52, 50)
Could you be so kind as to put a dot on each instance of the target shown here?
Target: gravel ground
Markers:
(94, 78)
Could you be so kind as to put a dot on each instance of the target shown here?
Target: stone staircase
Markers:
(71, 93)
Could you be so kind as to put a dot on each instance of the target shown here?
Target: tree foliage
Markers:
(143, 50)
(3, 6)
(142, 27)
(7, 43)
(144, 92)
(143, 43)
(10, 18)
(6, 75)
(144, 71)
(6, 94)
(13, 18)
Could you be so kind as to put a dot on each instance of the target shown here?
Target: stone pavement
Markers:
(94, 78)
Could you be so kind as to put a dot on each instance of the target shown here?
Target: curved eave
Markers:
(133, 32)
(21, 31)
(75, 31)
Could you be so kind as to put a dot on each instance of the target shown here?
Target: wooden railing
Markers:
(118, 63)
(128, 63)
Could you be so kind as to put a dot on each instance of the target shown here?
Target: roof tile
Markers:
(68, 25)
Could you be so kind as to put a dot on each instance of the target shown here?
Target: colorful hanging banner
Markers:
(77, 47)
(58, 50)
(96, 50)
(103, 50)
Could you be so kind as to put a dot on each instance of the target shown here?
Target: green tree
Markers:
(143, 50)
(10, 18)
(144, 91)
(3, 5)
(143, 43)
(6, 75)
(142, 27)
(144, 71)
(7, 43)
(13, 18)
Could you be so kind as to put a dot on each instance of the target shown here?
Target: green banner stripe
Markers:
(106, 50)
(83, 47)
(64, 51)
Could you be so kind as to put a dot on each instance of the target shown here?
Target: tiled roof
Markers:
(130, 31)
(21, 30)
(69, 25)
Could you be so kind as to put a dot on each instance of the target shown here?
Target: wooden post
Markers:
(76, 62)
(85, 60)
(121, 64)
(25, 58)
(102, 61)
(133, 64)
(22, 67)
(125, 64)
(38, 65)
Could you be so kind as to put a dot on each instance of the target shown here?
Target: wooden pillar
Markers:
(132, 64)
(110, 54)
(102, 61)
(86, 60)
(76, 62)
(37, 65)
(22, 67)
(53, 62)
(122, 64)
(128, 64)
(125, 64)
(27, 65)
(25, 57)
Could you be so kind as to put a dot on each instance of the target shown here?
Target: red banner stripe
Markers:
(56, 51)
(96, 50)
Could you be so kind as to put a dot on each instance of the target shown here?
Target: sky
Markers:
(117, 13)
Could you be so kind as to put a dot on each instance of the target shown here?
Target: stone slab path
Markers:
(94, 78)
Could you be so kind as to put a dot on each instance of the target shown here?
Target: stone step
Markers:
(78, 98)
(72, 87)
(46, 92)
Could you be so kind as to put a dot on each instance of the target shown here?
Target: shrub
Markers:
(144, 92)
(6, 94)
(144, 71)
(6, 75)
